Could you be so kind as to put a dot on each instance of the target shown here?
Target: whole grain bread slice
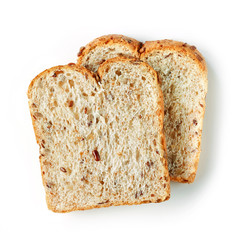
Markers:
(105, 47)
(183, 73)
(100, 137)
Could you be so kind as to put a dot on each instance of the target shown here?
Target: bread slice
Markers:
(183, 74)
(106, 47)
(101, 140)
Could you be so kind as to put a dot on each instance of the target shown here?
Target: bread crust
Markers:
(107, 205)
(189, 51)
(95, 78)
(108, 40)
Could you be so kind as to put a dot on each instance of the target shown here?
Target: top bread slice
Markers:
(183, 73)
(109, 46)
(100, 137)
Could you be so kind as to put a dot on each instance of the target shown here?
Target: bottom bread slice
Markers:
(101, 141)
(184, 83)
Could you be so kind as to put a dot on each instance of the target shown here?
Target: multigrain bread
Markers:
(105, 47)
(184, 83)
(183, 73)
(100, 137)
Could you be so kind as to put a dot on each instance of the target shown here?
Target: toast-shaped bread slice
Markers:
(184, 83)
(109, 46)
(100, 137)
(183, 74)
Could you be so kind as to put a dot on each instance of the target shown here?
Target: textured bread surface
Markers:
(183, 75)
(106, 47)
(100, 137)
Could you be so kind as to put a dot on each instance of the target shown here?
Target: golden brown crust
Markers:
(190, 179)
(193, 53)
(107, 40)
(107, 205)
(177, 46)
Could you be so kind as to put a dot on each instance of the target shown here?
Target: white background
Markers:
(36, 35)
